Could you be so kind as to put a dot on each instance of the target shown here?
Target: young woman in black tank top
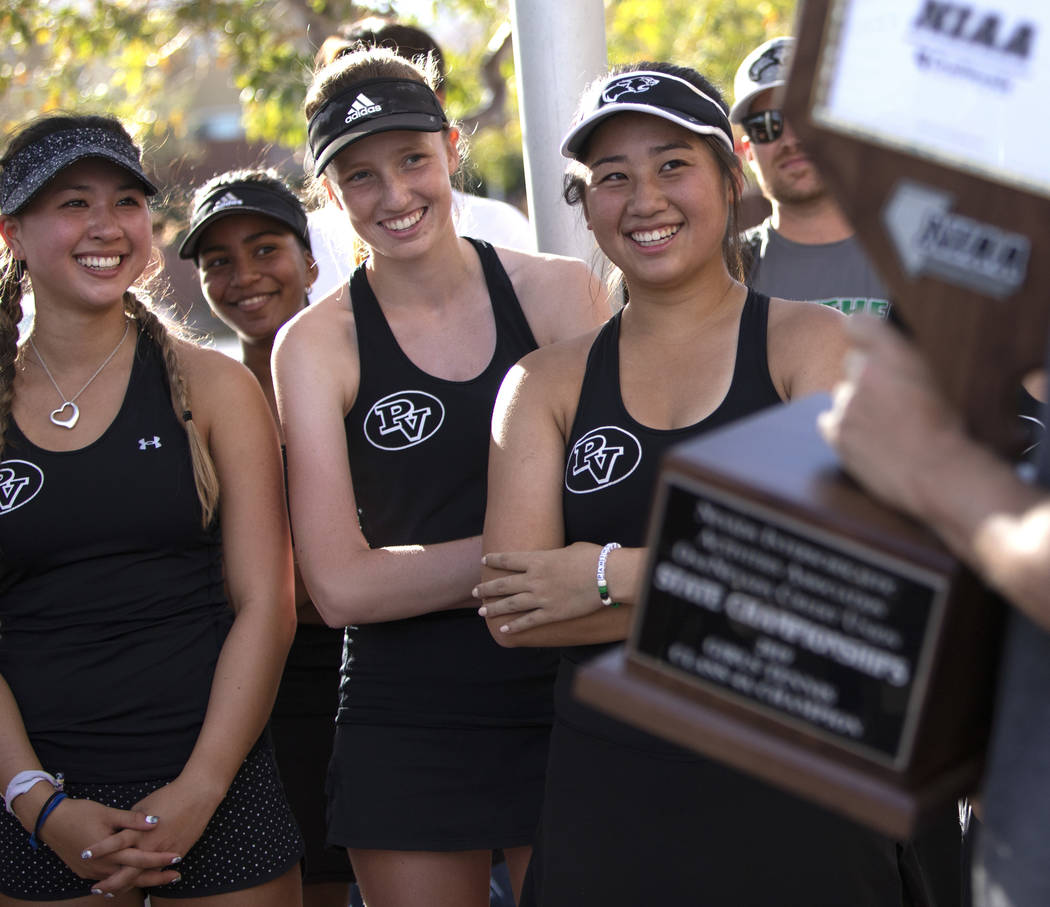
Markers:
(385, 391)
(248, 236)
(577, 434)
(145, 563)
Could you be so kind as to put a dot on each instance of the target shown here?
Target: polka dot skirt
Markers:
(251, 839)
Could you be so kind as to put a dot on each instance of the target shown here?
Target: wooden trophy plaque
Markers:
(790, 625)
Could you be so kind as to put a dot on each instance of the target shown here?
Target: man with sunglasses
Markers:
(805, 249)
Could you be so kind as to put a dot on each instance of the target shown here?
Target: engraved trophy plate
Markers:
(791, 620)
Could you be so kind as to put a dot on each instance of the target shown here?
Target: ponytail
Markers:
(10, 316)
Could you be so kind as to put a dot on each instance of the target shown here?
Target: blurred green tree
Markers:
(156, 63)
(146, 61)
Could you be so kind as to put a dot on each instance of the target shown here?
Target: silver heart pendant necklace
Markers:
(74, 411)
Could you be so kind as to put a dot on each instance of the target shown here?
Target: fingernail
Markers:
(505, 628)
(152, 820)
(175, 861)
(85, 855)
(96, 891)
(484, 560)
(483, 611)
(109, 894)
(176, 879)
(474, 592)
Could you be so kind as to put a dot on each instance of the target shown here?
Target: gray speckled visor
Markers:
(32, 167)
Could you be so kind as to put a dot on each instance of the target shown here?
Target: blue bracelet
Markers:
(45, 811)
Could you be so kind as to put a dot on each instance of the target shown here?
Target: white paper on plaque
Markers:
(965, 83)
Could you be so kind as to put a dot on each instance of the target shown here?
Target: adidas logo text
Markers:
(227, 201)
(363, 106)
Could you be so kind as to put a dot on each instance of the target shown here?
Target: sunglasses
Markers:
(765, 127)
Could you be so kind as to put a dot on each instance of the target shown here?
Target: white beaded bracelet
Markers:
(21, 782)
(603, 587)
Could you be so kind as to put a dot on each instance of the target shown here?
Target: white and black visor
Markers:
(368, 108)
(243, 197)
(657, 94)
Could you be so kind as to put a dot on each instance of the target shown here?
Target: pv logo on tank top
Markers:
(20, 482)
(403, 419)
(602, 457)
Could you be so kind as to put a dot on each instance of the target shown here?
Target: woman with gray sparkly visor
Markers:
(145, 565)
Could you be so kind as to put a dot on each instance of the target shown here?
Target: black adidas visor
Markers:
(377, 105)
(655, 93)
(243, 197)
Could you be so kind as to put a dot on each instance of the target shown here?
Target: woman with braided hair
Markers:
(145, 567)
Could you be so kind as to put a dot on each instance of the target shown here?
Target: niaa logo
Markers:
(20, 482)
(403, 419)
(602, 457)
(972, 28)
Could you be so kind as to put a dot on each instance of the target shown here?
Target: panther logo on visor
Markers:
(770, 66)
(631, 85)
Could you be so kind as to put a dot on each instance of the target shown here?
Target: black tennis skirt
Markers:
(435, 789)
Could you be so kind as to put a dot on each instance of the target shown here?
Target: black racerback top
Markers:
(613, 461)
(418, 448)
(112, 608)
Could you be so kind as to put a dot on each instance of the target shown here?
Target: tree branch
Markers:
(492, 113)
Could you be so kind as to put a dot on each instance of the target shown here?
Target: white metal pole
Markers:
(559, 47)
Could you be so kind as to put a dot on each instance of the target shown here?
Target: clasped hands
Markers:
(124, 849)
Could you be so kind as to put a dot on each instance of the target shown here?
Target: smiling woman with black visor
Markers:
(385, 391)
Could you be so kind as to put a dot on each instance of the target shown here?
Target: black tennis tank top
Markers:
(418, 449)
(613, 461)
(112, 609)
(419, 444)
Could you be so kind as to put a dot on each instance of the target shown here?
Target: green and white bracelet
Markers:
(603, 586)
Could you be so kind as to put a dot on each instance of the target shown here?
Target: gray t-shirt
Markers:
(836, 274)
(1013, 857)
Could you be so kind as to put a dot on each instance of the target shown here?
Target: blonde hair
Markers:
(164, 333)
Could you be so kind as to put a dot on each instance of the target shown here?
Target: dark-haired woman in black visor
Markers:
(578, 433)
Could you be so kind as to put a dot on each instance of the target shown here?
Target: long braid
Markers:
(204, 476)
(10, 316)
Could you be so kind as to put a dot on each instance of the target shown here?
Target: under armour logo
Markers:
(143, 443)
(602, 457)
(630, 85)
(403, 419)
(20, 482)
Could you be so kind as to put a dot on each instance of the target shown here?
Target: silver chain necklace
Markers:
(74, 416)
